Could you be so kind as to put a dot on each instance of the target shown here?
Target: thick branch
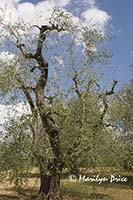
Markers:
(41, 83)
(42, 63)
(26, 92)
(90, 83)
(23, 51)
(41, 39)
(107, 93)
(22, 47)
(42, 35)
(105, 104)
(76, 84)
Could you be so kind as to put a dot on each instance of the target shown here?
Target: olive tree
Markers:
(34, 75)
(121, 114)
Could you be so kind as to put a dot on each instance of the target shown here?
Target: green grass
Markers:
(74, 190)
(87, 191)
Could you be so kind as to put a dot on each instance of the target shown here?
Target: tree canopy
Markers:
(50, 68)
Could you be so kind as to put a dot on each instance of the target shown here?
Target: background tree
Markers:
(122, 118)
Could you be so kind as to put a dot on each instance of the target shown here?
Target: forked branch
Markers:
(104, 100)
(76, 84)
(26, 92)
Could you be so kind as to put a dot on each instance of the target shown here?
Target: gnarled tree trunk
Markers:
(49, 185)
(49, 182)
(44, 184)
(44, 179)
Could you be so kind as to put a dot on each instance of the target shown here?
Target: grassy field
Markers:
(74, 189)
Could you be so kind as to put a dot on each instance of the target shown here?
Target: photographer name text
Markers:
(99, 180)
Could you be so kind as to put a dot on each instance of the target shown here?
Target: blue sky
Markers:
(112, 16)
(121, 27)
(122, 46)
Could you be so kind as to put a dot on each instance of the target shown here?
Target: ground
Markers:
(72, 188)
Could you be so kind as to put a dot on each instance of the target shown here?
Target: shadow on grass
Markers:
(84, 192)
(23, 194)
(98, 196)
(34, 175)
(130, 181)
(8, 197)
(119, 185)
(91, 196)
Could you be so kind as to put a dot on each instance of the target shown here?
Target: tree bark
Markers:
(44, 178)
(50, 182)
(44, 184)
(49, 175)
(49, 187)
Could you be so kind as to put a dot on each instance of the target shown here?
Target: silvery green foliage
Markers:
(72, 97)
(121, 115)
(16, 150)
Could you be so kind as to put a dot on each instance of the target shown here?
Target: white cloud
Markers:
(59, 60)
(8, 59)
(30, 12)
(39, 13)
(18, 1)
(12, 111)
(90, 3)
(61, 3)
(97, 17)
(5, 56)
